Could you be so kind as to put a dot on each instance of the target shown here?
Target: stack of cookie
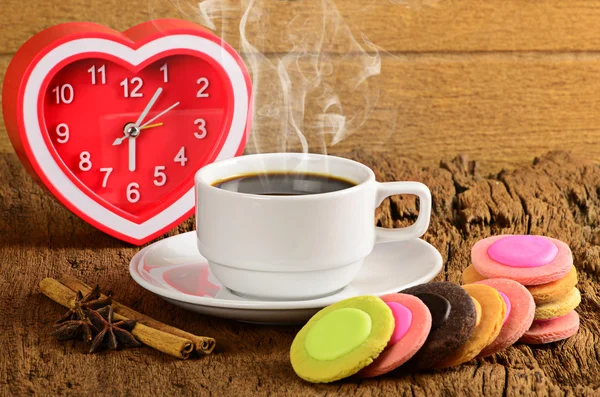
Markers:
(519, 288)
(434, 325)
(545, 267)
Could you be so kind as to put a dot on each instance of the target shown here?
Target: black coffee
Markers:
(284, 184)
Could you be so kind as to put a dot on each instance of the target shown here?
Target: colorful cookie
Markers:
(453, 318)
(542, 293)
(477, 311)
(470, 275)
(342, 339)
(493, 314)
(413, 323)
(559, 307)
(529, 260)
(520, 317)
(552, 330)
(549, 292)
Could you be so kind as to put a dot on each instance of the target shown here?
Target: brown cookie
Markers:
(454, 324)
(493, 313)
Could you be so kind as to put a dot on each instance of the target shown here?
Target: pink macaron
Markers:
(552, 330)
(520, 317)
(529, 260)
(413, 323)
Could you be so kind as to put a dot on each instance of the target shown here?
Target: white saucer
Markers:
(173, 269)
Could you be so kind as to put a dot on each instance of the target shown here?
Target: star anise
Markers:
(93, 300)
(111, 335)
(75, 322)
(74, 329)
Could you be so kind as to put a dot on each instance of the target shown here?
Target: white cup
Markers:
(295, 247)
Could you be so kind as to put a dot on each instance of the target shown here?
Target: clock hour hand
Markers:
(148, 106)
(128, 128)
(132, 130)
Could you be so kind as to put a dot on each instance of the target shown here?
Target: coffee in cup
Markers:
(284, 183)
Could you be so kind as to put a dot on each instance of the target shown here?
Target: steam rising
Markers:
(312, 79)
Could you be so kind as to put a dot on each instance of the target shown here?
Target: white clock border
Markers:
(55, 174)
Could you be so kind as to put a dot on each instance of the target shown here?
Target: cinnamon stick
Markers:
(167, 343)
(202, 344)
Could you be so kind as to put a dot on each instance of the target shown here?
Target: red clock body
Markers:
(115, 125)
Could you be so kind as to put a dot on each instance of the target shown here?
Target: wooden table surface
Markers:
(558, 196)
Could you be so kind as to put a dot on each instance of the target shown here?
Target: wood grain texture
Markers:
(497, 81)
(393, 25)
(558, 196)
(500, 109)
(497, 108)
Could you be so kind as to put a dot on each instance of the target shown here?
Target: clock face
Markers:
(134, 137)
(116, 124)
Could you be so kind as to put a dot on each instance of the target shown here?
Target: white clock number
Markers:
(108, 170)
(85, 162)
(160, 178)
(201, 127)
(204, 85)
(165, 69)
(134, 92)
(133, 194)
(101, 72)
(64, 93)
(62, 130)
(180, 158)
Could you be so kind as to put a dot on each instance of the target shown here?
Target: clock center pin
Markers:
(131, 130)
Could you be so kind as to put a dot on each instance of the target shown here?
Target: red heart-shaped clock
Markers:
(116, 124)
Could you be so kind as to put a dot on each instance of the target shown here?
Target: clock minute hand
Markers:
(132, 155)
(120, 140)
(159, 115)
(132, 145)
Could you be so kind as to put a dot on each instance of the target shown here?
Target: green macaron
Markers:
(341, 339)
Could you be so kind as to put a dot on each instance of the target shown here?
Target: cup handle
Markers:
(418, 228)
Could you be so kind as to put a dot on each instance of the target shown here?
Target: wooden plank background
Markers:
(500, 81)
